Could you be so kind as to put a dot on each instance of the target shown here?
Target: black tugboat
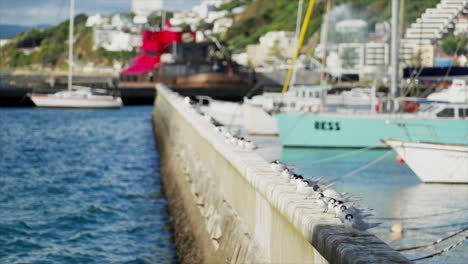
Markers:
(204, 68)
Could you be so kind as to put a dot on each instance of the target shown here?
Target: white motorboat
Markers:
(227, 113)
(434, 162)
(456, 93)
(75, 96)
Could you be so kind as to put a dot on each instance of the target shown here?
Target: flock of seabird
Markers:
(237, 141)
(331, 201)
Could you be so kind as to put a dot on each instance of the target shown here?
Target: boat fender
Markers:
(399, 159)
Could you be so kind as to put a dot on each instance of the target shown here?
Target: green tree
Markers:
(455, 45)
(32, 38)
(50, 54)
(156, 20)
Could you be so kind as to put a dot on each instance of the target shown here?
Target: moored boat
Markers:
(456, 93)
(78, 97)
(438, 122)
(75, 96)
(434, 162)
(190, 68)
(259, 110)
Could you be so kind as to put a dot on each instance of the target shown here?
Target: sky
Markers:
(52, 12)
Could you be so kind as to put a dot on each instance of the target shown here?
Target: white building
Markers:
(350, 25)
(213, 15)
(363, 58)
(436, 22)
(221, 25)
(96, 20)
(241, 58)
(282, 41)
(145, 7)
(461, 26)
(203, 8)
(415, 54)
(120, 21)
(115, 40)
(238, 10)
(3, 42)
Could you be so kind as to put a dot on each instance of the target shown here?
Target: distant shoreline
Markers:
(56, 73)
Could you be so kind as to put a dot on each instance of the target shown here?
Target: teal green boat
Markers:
(437, 123)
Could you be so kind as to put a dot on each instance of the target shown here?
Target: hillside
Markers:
(49, 48)
(269, 15)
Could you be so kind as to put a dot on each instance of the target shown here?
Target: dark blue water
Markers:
(81, 186)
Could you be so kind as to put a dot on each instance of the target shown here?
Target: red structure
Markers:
(148, 59)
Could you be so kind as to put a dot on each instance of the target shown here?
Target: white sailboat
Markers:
(75, 96)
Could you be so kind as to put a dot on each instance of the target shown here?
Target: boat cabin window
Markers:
(152, 53)
(447, 112)
(427, 108)
(463, 112)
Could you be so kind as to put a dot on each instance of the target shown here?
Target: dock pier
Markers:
(229, 207)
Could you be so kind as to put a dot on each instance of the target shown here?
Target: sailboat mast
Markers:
(296, 36)
(304, 27)
(70, 45)
(324, 42)
(394, 48)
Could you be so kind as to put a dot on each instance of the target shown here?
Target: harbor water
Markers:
(427, 212)
(81, 186)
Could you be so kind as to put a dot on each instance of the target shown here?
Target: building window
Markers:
(447, 112)
(463, 112)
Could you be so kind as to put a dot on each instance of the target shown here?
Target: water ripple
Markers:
(81, 186)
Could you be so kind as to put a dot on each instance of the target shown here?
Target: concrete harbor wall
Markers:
(229, 207)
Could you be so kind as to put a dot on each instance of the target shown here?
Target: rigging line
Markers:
(412, 78)
(377, 160)
(442, 251)
(420, 216)
(344, 154)
(436, 227)
(435, 242)
(449, 68)
(433, 227)
(238, 109)
(421, 69)
(451, 65)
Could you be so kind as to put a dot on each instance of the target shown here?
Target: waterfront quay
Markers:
(14, 88)
(229, 206)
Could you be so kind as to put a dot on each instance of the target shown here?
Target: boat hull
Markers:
(320, 130)
(257, 121)
(431, 162)
(62, 102)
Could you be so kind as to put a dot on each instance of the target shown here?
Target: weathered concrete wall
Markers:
(229, 207)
